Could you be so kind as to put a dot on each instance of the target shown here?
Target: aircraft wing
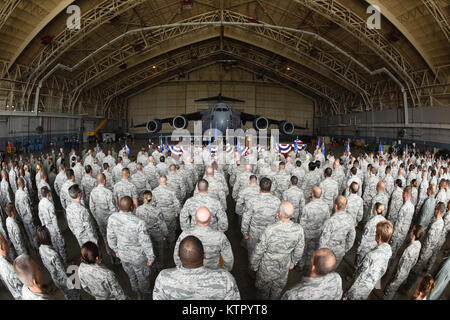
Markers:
(189, 116)
(250, 117)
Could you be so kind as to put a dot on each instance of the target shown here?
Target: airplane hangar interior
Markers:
(225, 150)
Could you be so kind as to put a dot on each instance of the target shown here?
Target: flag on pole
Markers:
(238, 145)
(127, 150)
(296, 146)
(347, 149)
(167, 145)
(381, 148)
(271, 144)
(98, 148)
(215, 134)
(406, 149)
(318, 142)
(323, 147)
(160, 142)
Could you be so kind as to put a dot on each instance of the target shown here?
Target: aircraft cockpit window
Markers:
(220, 109)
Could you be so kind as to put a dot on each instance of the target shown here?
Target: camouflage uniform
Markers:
(295, 196)
(23, 207)
(280, 247)
(312, 220)
(101, 204)
(382, 198)
(116, 172)
(5, 193)
(355, 206)
(369, 192)
(240, 184)
(338, 175)
(218, 215)
(442, 279)
(371, 270)
(430, 246)
(124, 188)
(368, 242)
(13, 180)
(401, 227)
(244, 197)
(327, 287)
(48, 219)
(330, 190)
(199, 284)
(79, 222)
(55, 294)
(338, 234)
(215, 245)
(128, 236)
(100, 282)
(59, 181)
(406, 263)
(395, 205)
(175, 183)
(88, 183)
(166, 200)
(55, 267)
(78, 171)
(262, 211)
(283, 183)
(300, 173)
(427, 211)
(10, 279)
(140, 182)
(308, 184)
(216, 191)
(15, 235)
(151, 175)
(390, 185)
(156, 228)
(162, 169)
(109, 180)
(64, 195)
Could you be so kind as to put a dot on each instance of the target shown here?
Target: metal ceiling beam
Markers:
(6, 11)
(62, 5)
(338, 71)
(158, 67)
(374, 39)
(393, 19)
(439, 15)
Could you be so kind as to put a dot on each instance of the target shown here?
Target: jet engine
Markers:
(260, 123)
(154, 126)
(180, 122)
(286, 127)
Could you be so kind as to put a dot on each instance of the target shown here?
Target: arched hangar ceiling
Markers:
(320, 47)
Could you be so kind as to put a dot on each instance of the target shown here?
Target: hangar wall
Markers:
(22, 128)
(438, 116)
(261, 97)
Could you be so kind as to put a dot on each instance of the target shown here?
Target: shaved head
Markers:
(380, 186)
(340, 202)
(203, 186)
(316, 192)
(203, 216)
(191, 252)
(101, 179)
(323, 262)
(126, 204)
(286, 210)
